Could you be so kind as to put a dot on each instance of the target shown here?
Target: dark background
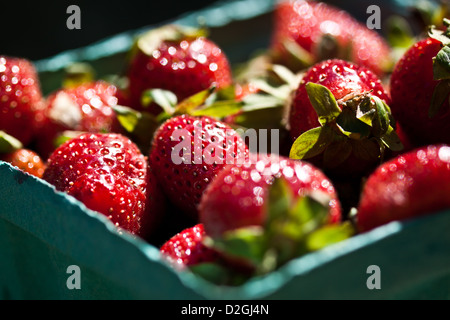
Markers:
(37, 29)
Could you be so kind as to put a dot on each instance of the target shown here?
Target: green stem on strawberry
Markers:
(166, 99)
(194, 102)
(8, 143)
(440, 94)
(430, 12)
(66, 135)
(266, 105)
(294, 227)
(441, 64)
(355, 122)
(441, 68)
(78, 73)
(297, 57)
(399, 35)
(139, 125)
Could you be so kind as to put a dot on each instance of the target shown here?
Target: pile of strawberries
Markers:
(361, 140)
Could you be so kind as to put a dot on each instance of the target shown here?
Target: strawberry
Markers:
(420, 93)
(87, 107)
(189, 250)
(342, 78)
(411, 185)
(108, 173)
(311, 31)
(186, 248)
(237, 197)
(187, 153)
(178, 59)
(26, 160)
(260, 215)
(20, 99)
(340, 120)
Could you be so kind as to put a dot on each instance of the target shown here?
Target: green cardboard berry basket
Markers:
(44, 232)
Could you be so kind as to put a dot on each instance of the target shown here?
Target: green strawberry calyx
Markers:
(296, 58)
(294, 227)
(78, 73)
(141, 125)
(361, 124)
(8, 143)
(273, 86)
(441, 69)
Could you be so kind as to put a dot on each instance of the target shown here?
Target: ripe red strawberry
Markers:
(263, 214)
(322, 31)
(186, 248)
(26, 160)
(187, 153)
(108, 173)
(413, 184)
(412, 87)
(237, 197)
(20, 99)
(175, 59)
(342, 78)
(340, 119)
(85, 108)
